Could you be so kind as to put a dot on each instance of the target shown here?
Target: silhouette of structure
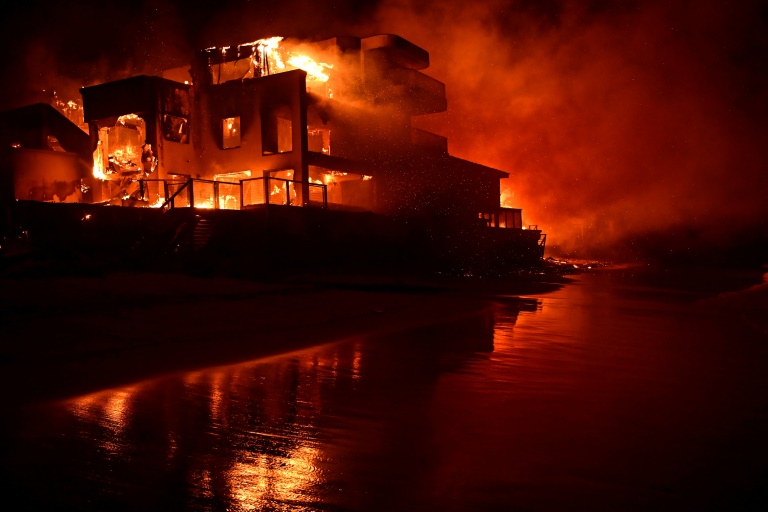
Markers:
(311, 144)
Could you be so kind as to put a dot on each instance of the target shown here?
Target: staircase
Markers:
(202, 234)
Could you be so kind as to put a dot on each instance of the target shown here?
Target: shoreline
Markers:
(68, 336)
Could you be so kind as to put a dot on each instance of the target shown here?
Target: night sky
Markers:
(629, 129)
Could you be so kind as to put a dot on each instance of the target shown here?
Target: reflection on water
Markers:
(106, 413)
(604, 395)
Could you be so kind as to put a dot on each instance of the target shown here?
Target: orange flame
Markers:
(316, 70)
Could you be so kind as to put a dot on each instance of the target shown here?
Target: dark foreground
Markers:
(622, 390)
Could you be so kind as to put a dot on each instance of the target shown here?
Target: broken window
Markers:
(176, 114)
(276, 130)
(175, 128)
(319, 140)
(121, 145)
(176, 101)
(230, 130)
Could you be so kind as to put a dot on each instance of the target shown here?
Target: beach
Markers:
(67, 335)
(628, 389)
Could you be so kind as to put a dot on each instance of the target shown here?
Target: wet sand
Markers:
(65, 336)
(622, 390)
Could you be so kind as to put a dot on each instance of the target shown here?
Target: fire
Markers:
(314, 69)
(330, 178)
(128, 117)
(98, 163)
(98, 173)
(506, 199)
(269, 57)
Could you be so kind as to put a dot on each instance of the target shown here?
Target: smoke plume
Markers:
(620, 126)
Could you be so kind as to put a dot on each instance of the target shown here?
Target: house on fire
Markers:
(309, 141)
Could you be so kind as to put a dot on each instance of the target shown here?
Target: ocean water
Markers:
(623, 390)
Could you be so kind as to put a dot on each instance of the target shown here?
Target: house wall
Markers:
(151, 98)
(257, 104)
(41, 175)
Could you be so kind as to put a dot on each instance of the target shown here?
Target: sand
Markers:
(66, 336)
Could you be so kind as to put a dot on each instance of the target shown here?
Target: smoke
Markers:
(620, 125)
(63, 46)
(616, 124)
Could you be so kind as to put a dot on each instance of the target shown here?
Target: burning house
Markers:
(272, 148)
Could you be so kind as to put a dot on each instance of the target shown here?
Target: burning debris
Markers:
(262, 58)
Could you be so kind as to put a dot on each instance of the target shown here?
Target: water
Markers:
(617, 392)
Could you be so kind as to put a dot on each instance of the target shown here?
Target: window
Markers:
(175, 128)
(276, 130)
(230, 129)
(319, 140)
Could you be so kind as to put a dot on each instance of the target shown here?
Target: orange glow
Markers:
(98, 163)
(270, 57)
(314, 69)
(507, 196)
(108, 409)
(256, 481)
(158, 203)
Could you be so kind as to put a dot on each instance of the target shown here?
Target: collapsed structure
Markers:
(312, 144)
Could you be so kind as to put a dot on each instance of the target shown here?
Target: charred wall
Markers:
(165, 107)
(271, 113)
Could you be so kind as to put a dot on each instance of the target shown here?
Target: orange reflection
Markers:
(356, 362)
(109, 410)
(259, 481)
(216, 399)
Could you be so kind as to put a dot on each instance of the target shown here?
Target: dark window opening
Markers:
(277, 131)
(175, 128)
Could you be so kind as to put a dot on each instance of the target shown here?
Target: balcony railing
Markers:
(225, 195)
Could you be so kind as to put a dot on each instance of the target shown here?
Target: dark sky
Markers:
(620, 122)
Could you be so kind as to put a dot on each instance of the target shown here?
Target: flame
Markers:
(229, 202)
(127, 117)
(269, 57)
(316, 70)
(98, 163)
(506, 198)
(98, 173)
